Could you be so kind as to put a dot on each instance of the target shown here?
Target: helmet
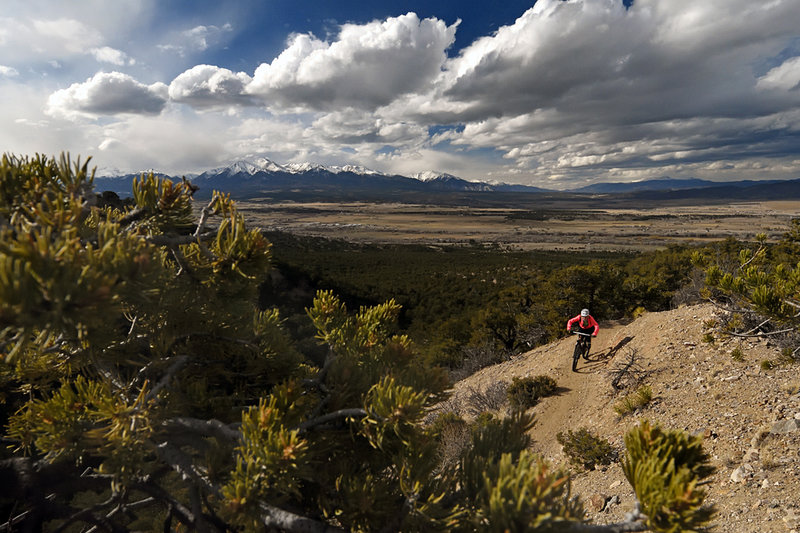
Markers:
(584, 312)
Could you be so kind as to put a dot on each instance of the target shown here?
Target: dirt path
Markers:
(582, 396)
(734, 402)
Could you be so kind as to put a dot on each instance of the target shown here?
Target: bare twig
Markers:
(177, 240)
(762, 334)
(324, 419)
(209, 428)
(281, 520)
(177, 364)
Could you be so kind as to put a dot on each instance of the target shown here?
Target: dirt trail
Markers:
(698, 387)
(582, 396)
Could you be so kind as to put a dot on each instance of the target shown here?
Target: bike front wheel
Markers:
(576, 355)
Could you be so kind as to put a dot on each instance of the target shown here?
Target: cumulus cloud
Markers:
(572, 90)
(106, 54)
(108, 94)
(207, 86)
(582, 86)
(367, 66)
(785, 77)
(196, 39)
(8, 72)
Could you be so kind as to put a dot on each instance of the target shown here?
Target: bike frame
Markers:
(580, 346)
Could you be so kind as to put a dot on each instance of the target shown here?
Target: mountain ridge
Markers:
(250, 178)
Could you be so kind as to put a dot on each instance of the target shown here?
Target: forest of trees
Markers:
(150, 382)
(475, 305)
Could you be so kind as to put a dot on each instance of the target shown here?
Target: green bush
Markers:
(586, 450)
(666, 469)
(526, 392)
(634, 401)
(737, 354)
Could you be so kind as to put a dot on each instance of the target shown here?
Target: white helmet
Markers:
(584, 312)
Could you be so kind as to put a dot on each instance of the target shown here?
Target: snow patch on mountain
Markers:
(430, 175)
(255, 166)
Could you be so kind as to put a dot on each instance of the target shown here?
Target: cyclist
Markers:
(584, 323)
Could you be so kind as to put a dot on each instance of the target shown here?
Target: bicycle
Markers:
(581, 348)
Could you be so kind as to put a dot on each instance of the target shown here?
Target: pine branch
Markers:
(183, 465)
(176, 508)
(292, 523)
(177, 240)
(208, 428)
(176, 365)
(329, 417)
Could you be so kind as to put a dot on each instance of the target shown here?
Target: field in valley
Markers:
(543, 224)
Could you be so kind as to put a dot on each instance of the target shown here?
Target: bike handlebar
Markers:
(581, 333)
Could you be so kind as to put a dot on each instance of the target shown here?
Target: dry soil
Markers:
(749, 416)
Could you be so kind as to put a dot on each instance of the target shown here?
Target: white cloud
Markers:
(106, 54)
(107, 94)
(572, 85)
(785, 77)
(8, 72)
(572, 90)
(65, 34)
(367, 66)
(207, 85)
(196, 39)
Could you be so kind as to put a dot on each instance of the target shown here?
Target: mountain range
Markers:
(266, 178)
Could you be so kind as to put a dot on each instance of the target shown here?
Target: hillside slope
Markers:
(750, 417)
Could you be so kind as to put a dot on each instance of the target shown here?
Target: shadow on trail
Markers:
(614, 349)
(560, 391)
(595, 360)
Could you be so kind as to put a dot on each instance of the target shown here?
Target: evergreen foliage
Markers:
(636, 400)
(526, 392)
(470, 306)
(759, 286)
(145, 389)
(666, 470)
(586, 450)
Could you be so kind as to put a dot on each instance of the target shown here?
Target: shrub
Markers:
(737, 354)
(454, 435)
(634, 401)
(490, 399)
(666, 469)
(526, 392)
(585, 449)
(766, 364)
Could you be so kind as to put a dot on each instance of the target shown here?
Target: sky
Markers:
(550, 93)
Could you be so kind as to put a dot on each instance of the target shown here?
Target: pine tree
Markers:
(143, 388)
(758, 288)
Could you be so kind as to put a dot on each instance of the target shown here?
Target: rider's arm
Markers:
(572, 321)
(596, 326)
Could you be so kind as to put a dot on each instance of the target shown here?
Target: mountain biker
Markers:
(584, 323)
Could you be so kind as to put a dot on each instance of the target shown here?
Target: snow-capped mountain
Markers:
(261, 164)
(264, 177)
(430, 175)
(259, 176)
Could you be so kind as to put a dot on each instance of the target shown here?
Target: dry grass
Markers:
(563, 228)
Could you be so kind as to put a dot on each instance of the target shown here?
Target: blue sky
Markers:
(553, 93)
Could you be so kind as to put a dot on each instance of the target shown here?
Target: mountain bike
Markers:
(581, 348)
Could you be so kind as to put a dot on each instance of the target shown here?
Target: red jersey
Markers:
(590, 323)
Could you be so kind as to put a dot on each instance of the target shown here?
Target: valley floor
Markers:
(563, 225)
